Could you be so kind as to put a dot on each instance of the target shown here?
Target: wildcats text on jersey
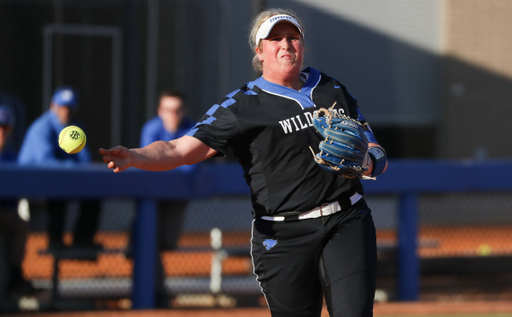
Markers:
(299, 122)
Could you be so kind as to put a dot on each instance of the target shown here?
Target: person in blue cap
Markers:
(41, 148)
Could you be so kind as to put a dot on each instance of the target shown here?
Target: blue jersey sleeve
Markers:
(219, 126)
(367, 131)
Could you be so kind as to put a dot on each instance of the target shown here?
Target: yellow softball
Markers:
(484, 250)
(72, 139)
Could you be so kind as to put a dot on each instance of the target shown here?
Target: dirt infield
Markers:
(445, 308)
(387, 309)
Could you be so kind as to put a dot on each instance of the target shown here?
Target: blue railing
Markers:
(404, 178)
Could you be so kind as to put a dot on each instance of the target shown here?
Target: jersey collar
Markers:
(303, 97)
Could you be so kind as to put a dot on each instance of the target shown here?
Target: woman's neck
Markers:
(293, 82)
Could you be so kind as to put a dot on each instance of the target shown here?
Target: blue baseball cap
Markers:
(65, 96)
(6, 116)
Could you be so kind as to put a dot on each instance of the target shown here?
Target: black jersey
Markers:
(270, 129)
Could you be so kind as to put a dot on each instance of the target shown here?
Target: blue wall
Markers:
(404, 178)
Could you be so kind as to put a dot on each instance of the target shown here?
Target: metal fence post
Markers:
(408, 260)
(144, 255)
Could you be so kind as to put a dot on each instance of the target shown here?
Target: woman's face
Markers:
(282, 52)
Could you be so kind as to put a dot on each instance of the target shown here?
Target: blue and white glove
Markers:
(344, 150)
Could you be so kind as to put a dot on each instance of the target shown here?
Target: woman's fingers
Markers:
(113, 155)
(116, 150)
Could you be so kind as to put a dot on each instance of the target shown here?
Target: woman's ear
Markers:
(259, 52)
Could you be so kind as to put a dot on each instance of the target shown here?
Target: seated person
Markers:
(40, 147)
(169, 124)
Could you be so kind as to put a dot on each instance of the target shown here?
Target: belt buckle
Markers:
(321, 211)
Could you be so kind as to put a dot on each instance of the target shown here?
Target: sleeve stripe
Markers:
(231, 94)
(209, 120)
(228, 103)
(250, 93)
(212, 110)
(192, 131)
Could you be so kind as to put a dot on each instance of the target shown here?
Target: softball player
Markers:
(313, 235)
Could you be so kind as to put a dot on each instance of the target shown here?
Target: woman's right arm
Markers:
(159, 155)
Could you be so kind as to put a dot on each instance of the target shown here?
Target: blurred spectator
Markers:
(170, 123)
(7, 153)
(40, 147)
(13, 228)
(18, 107)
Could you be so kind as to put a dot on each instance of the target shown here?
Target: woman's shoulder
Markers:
(319, 77)
(239, 96)
(323, 75)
